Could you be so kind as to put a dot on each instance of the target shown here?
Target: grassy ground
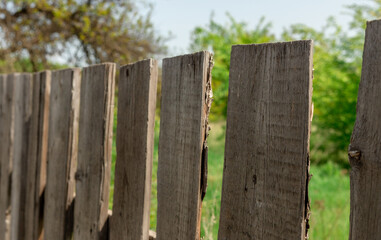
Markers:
(329, 193)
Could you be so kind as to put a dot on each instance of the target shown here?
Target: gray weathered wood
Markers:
(42, 152)
(265, 179)
(364, 150)
(36, 153)
(135, 138)
(94, 154)
(183, 128)
(6, 148)
(23, 109)
(45, 78)
(62, 154)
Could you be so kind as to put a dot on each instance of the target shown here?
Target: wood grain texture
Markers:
(135, 138)
(36, 153)
(45, 78)
(23, 108)
(6, 149)
(265, 179)
(94, 155)
(185, 106)
(364, 150)
(62, 154)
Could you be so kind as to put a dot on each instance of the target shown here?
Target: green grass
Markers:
(328, 190)
(153, 209)
(329, 195)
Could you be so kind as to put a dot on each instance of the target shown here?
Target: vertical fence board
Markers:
(6, 149)
(42, 153)
(265, 180)
(364, 150)
(62, 154)
(135, 137)
(94, 154)
(36, 153)
(23, 108)
(183, 128)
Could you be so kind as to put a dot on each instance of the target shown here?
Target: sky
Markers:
(180, 17)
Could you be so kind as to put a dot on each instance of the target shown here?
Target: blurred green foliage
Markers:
(219, 38)
(337, 71)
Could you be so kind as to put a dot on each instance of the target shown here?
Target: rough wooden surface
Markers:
(23, 109)
(6, 148)
(264, 193)
(45, 78)
(94, 151)
(134, 144)
(183, 128)
(364, 150)
(152, 235)
(62, 154)
(37, 140)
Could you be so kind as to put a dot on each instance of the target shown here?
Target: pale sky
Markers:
(180, 17)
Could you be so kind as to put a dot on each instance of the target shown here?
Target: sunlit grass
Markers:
(330, 202)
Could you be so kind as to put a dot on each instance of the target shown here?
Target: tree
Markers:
(77, 31)
(219, 38)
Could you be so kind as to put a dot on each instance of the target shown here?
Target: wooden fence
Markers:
(56, 141)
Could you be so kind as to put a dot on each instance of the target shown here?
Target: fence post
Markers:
(62, 154)
(364, 149)
(185, 104)
(23, 108)
(94, 152)
(37, 140)
(265, 179)
(6, 149)
(135, 138)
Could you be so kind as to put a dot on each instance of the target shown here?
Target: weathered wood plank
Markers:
(364, 150)
(6, 149)
(45, 78)
(23, 108)
(183, 129)
(265, 179)
(135, 137)
(94, 155)
(36, 153)
(62, 154)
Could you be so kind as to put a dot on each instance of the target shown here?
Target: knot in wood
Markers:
(79, 175)
(354, 158)
(354, 154)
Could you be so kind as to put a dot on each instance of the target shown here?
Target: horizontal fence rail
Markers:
(56, 131)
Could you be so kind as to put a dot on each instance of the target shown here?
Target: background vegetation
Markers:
(37, 33)
(337, 69)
